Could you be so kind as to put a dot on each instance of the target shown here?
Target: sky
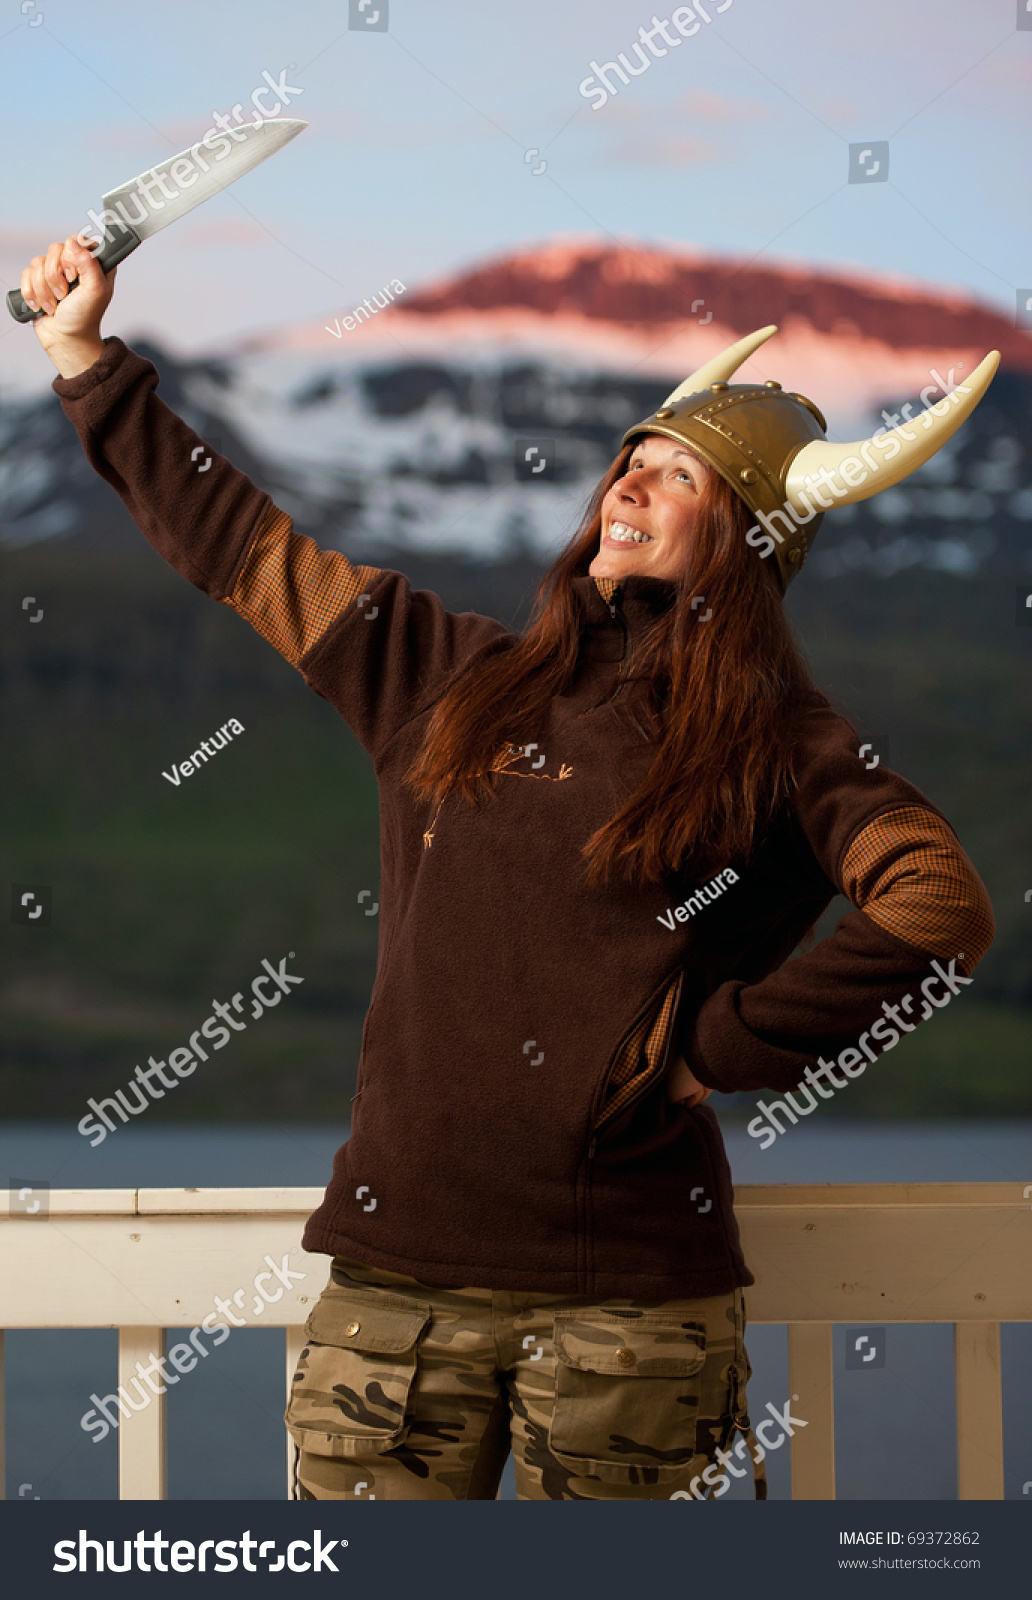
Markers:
(459, 133)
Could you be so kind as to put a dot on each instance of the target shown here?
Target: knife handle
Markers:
(111, 252)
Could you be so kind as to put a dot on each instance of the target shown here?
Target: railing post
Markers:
(141, 1435)
(811, 1380)
(976, 1353)
(3, 1423)
(296, 1341)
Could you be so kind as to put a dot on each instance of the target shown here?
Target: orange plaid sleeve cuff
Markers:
(290, 590)
(908, 873)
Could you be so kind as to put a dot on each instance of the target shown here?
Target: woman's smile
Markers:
(622, 533)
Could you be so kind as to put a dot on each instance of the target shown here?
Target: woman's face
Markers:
(659, 496)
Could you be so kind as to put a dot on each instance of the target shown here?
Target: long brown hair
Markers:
(723, 694)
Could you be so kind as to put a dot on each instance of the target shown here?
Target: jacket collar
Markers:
(639, 599)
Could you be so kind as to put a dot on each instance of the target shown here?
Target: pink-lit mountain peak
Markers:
(638, 286)
(853, 341)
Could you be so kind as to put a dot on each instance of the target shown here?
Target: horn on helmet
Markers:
(722, 366)
(907, 447)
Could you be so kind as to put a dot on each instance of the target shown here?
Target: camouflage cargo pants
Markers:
(407, 1391)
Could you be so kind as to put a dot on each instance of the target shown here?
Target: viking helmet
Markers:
(772, 447)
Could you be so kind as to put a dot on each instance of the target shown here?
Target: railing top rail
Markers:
(175, 1202)
(819, 1253)
(286, 1201)
(879, 1195)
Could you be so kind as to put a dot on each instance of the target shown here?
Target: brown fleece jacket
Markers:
(510, 997)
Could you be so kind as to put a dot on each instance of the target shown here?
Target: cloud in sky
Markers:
(652, 150)
(708, 106)
(234, 231)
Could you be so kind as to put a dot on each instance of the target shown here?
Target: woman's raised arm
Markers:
(360, 635)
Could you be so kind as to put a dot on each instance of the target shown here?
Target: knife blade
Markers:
(136, 210)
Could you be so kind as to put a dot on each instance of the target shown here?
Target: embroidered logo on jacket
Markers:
(501, 763)
(519, 752)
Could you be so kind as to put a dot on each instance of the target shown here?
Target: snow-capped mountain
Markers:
(476, 414)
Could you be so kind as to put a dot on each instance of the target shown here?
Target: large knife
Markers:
(146, 204)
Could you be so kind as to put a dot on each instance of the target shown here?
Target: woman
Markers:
(601, 843)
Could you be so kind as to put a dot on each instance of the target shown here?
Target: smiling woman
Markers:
(720, 700)
(540, 1037)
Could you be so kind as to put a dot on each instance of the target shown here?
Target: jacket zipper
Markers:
(621, 676)
(624, 663)
(587, 1255)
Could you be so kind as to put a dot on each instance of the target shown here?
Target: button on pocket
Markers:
(626, 1393)
(351, 1389)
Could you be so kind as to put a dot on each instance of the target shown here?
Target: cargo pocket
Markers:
(626, 1393)
(351, 1389)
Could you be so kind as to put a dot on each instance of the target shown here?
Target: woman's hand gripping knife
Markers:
(69, 330)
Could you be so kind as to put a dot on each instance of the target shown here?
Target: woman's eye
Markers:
(679, 472)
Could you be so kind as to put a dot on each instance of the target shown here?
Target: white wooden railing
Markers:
(149, 1261)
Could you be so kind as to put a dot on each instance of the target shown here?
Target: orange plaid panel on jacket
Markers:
(290, 590)
(907, 872)
(641, 1056)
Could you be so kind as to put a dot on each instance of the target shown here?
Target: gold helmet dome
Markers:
(772, 447)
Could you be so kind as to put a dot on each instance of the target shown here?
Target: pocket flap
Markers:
(644, 1344)
(378, 1323)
